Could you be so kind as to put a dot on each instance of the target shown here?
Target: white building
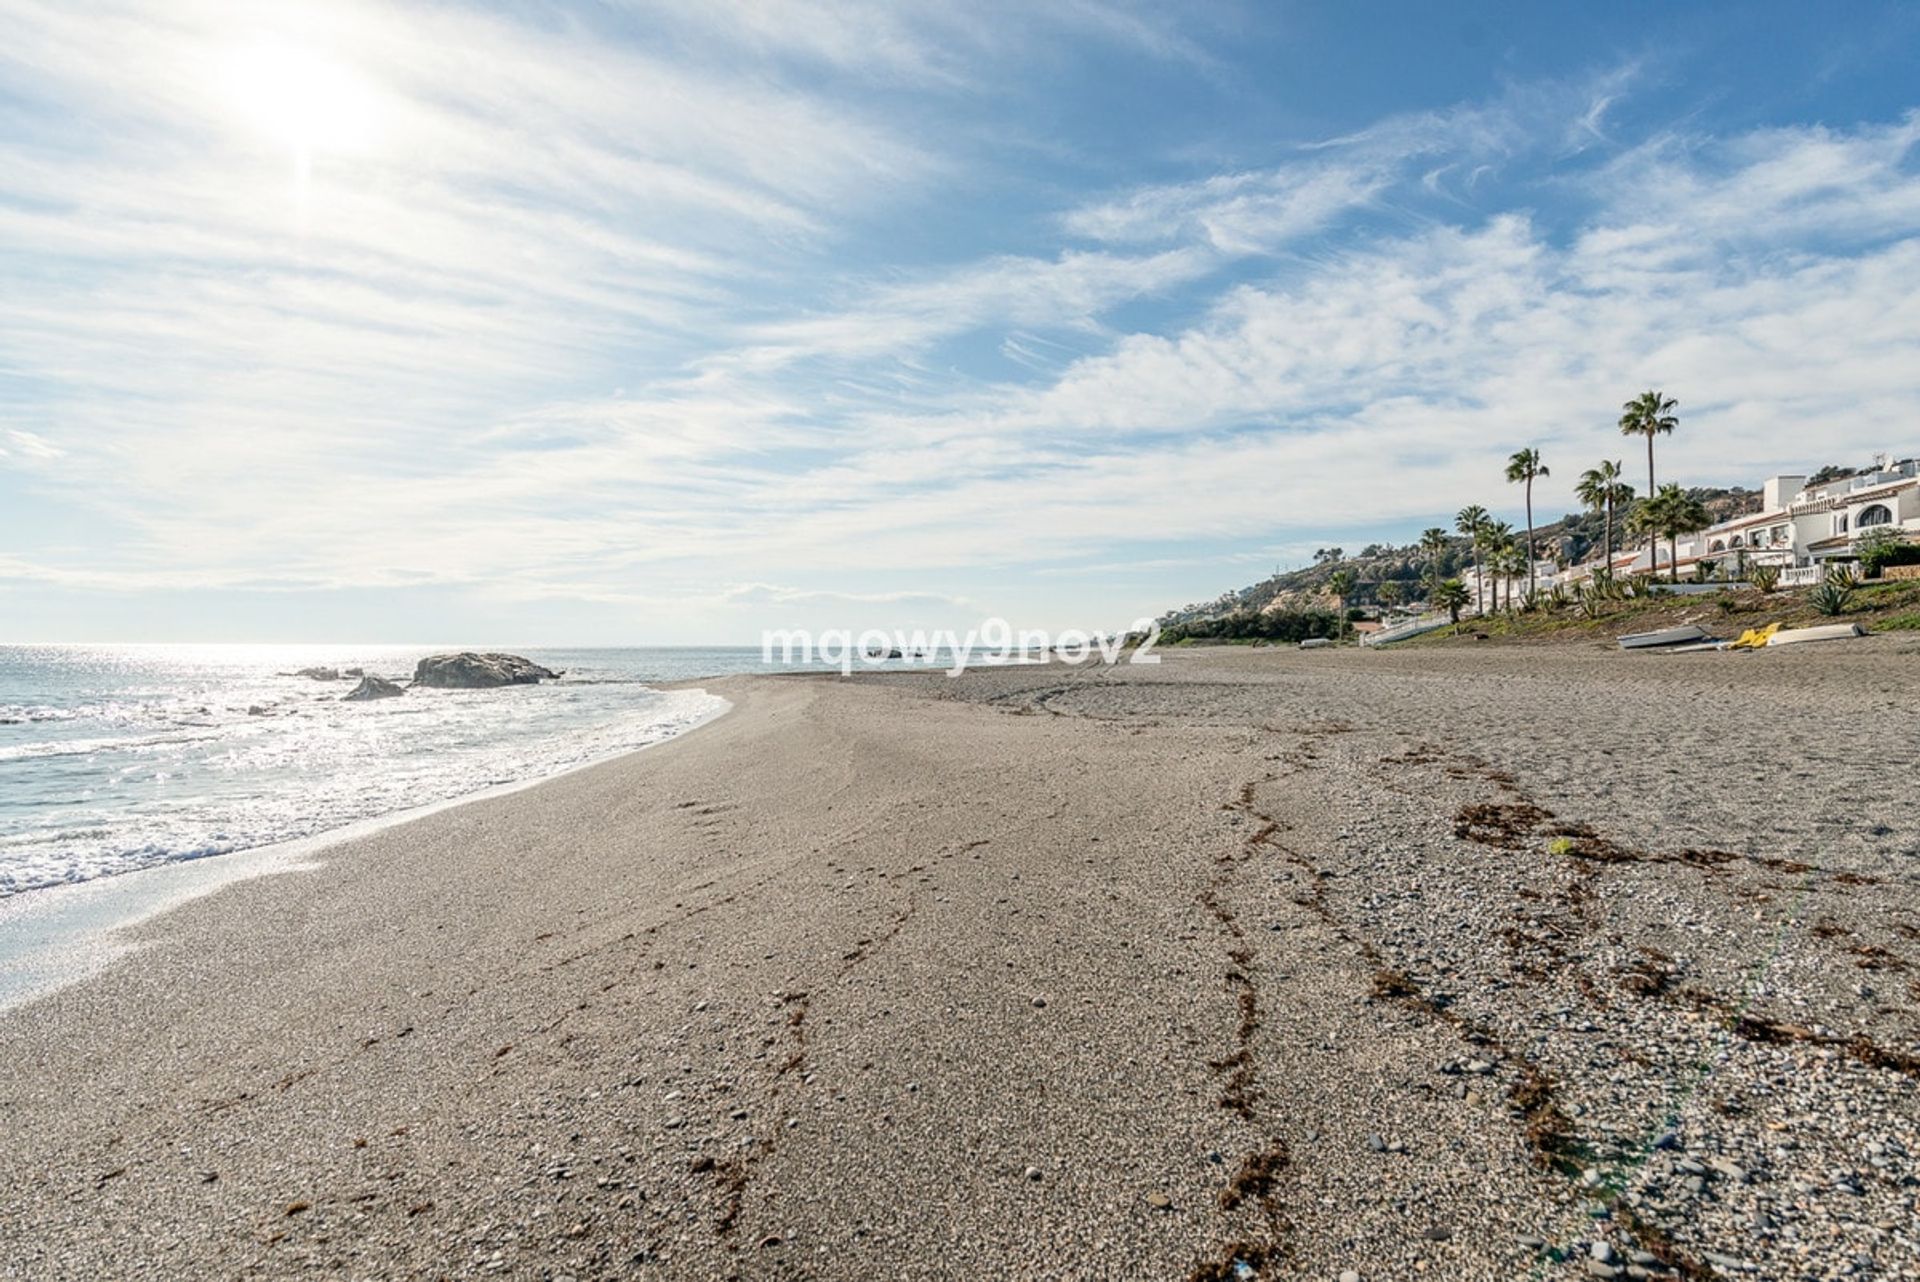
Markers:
(1798, 526)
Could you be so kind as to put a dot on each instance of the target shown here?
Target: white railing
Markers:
(1801, 576)
(1402, 631)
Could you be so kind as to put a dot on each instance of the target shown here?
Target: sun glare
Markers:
(301, 99)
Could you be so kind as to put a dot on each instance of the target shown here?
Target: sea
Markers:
(116, 759)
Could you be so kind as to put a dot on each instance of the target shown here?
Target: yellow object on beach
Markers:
(1754, 638)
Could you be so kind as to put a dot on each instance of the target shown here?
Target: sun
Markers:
(300, 98)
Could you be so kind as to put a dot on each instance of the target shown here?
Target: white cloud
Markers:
(397, 374)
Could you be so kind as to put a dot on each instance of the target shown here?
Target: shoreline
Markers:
(52, 936)
(1265, 963)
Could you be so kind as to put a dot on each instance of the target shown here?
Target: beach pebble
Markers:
(1035, 1173)
(1159, 1201)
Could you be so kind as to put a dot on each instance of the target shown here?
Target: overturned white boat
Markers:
(1825, 632)
(1684, 635)
(1315, 643)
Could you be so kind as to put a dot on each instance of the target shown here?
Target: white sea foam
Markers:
(111, 762)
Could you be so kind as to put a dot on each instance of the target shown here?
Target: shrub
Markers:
(1764, 577)
(1831, 598)
(1843, 577)
(1883, 546)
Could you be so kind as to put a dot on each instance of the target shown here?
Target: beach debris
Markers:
(469, 670)
(1826, 632)
(1664, 637)
(1035, 1174)
(1754, 638)
(372, 688)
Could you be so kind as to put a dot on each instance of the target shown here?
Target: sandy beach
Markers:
(1471, 962)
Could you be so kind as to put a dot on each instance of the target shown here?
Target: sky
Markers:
(673, 321)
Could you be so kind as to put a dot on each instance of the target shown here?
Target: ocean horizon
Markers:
(116, 758)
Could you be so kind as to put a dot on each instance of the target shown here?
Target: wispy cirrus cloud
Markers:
(684, 310)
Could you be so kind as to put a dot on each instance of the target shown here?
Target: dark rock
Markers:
(318, 674)
(470, 671)
(372, 688)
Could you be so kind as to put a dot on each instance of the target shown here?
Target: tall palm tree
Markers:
(1340, 583)
(1472, 522)
(1602, 490)
(1649, 414)
(1523, 467)
(1388, 593)
(1433, 541)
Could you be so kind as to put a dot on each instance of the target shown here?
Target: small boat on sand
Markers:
(1666, 636)
(1315, 643)
(1826, 632)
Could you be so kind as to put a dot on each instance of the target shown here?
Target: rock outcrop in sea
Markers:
(372, 688)
(319, 674)
(470, 671)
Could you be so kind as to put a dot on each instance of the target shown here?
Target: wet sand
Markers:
(1478, 963)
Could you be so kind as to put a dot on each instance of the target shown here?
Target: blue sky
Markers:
(667, 321)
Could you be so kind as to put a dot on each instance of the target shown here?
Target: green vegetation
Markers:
(1670, 513)
(1340, 584)
(1252, 625)
(1881, 547)
(1592, 615)
(1830, 598)
(1451, 596)
(1602, 490)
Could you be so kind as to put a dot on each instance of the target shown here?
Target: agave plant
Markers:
(1831, 598)
(1592, 605)
(1764, 577)
(1558, 598)
(1843, 577)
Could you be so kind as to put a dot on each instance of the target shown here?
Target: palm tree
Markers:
(1514, 562)
(1340, 583)
(1671, 513)
(1499, 537)
(1472, 522)
(1602, 490)
(1645, 520)
(1433, 541)
(1524, 466)
(1387, 593)
(1649, 414)
(1450, 596)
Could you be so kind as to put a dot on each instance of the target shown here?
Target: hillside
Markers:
(1572, 537)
